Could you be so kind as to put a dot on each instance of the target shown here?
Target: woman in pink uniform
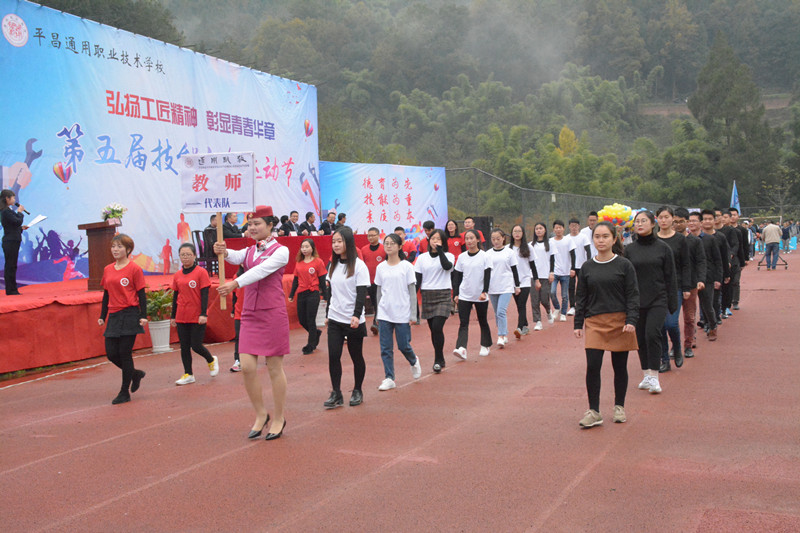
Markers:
(265, 322)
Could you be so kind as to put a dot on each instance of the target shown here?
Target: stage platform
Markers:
(54, 323)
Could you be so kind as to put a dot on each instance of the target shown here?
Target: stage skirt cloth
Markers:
(123, 323)
(437, 302)
(264, 332)
(604, 332)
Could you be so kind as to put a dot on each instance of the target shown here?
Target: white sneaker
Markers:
(655, 386)
(484, 351)
(237, 367)
(416, 369)
(185, 380)
(501, 342)
(562, 318)
(551, 318)
(461, 353)
(538, 326)
(571, 311)
(387, 384)
(213, 366)
(645, 384)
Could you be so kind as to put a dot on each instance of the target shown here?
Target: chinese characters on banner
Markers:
(212, 183)
(385, 196)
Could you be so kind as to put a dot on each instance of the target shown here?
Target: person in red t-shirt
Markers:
(125, 306)
(190, 312)
(469, 224)
(428, 226)
(408, 247)
(373, 255)
(309, 276)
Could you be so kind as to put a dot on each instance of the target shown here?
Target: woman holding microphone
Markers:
(265, 323)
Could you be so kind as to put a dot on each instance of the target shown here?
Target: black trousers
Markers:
(648, 335)
(11, 253)
(307, 307)
(717, 303)
(119, 351)
(436, 325)
(337, 332)
(730, 291)
(521, 300)
(706, 297)
(572, 281)
(594, 362)
(237, 324)
(191, 337)
(464, 310)
(372, 292)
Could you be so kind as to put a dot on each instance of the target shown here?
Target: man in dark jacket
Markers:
(699, 224)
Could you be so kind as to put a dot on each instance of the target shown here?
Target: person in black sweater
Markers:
(658, 294)
(744, 254)
(697, 267)
(12, 238)
(715, 269)
(607, 304)
(722, 239)
(680, 254)
(736, 250)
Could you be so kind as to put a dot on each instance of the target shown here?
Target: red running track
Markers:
(491, 444)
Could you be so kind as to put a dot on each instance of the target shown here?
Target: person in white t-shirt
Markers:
(583, 250)
(542, 274)
(519, 244)
(564, 253)
(348, 279)
(471, 289)
(504, 282)
(434, 273)
(396, 308)
(591, 222)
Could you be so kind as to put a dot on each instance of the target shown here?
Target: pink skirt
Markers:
(264, 332)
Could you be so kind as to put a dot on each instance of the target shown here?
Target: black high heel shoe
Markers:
(273, 436)
(255, 434)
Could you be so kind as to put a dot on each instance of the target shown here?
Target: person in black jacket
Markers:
(12, 238)
(725, 250)
(229, 229)
(744, 255)
(736, 249)
(328, 225)
(700, 224)
(658, 294)
(307, 228)
(697, 267)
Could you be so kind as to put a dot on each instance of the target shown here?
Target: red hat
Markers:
(263, 211)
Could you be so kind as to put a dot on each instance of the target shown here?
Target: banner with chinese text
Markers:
(94, 115)
(212, 183)
(385, 196)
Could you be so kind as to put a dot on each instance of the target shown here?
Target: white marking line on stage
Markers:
(48, 376)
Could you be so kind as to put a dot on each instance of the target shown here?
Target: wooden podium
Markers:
(99, 236)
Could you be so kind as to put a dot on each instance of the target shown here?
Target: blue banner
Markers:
(385, 196)
(94, 115)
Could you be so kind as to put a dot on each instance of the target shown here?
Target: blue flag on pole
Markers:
(735, 198)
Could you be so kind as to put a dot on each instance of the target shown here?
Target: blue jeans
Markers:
(772, 255)
(402, 333)
(673, 328)
(564, 281)
(500, 305)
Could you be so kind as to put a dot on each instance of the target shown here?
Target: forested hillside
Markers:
(544, 93)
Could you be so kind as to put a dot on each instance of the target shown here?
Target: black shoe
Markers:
(735, 307)
(665, 367)
(719, 321)
(334, 400)
(307, 349)
(356, 398)
(273, 436)
(678, 357)
(688, 353)
(319, 336)
(437, 368)
(137, 379)
(255, 434)
(122, 397)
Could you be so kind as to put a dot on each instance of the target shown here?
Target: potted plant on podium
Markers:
(159, 308)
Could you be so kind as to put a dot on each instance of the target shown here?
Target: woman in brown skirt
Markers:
(607, 305)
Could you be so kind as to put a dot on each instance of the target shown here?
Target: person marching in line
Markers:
(725, 251)
(504, 282)
(372, 254)
(348, 279)
(564, 253)
(701, 223)
(542, 274)
(433, 275)
(396, 309)
(658, 294)
(680, 255)
(473, 275)
(607, 306)
(190, 312)
(125, 306)
(309, 276)
(519, 245)
(583, 252)
(697, 269)
(12, 238)
(265, 322)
